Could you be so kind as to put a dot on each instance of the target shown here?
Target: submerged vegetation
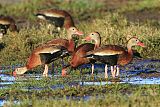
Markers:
(116, 21)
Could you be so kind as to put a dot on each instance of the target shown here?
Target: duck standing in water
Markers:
(52, 50)
(81, 50)
(114, 55)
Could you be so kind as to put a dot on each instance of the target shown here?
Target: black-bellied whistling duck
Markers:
(6, 23)
(69, 42)
(59, 18)
(81, 50)
(136, 54)
(37, 58)
(114, 54)
(42, 55)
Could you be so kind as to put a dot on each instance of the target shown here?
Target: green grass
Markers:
(89, 16)
(27, 9)
(113, 28)
(142, 4)
(109, 95)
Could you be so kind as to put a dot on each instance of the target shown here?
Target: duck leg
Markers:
(59, 29)
(115, 70)
(45, 73)
(117, 73)
(106, 71)
(64, 70)
(92, 69)
(53, 68)
(50, 29)
(112, 71)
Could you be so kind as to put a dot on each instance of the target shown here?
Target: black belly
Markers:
(110, 60)
(47, 58)
(58, 22)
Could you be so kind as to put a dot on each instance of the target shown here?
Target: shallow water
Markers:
(6, 80)
(2, 102)
(130, 74)
(132, 80)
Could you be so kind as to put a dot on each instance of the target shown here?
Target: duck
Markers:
(59, 18)
(114, 55)
(49, 52)
(69, 42)
(7, 22)
(81, 50)
(42, 55)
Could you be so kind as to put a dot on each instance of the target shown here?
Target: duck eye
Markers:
(92, 34)
(73, 29)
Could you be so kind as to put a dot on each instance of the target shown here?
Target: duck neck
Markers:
(71, 46)
(69, 35)
(97, 43)
(129, 48)
(68, 22)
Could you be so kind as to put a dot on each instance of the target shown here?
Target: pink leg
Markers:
(106, 71)
(92, 69)
(115, 70)
(59, 29)
(64, 72)
(45, 73)
(112, 71)
(117, 73)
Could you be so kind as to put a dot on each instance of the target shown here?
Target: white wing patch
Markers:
(4, 22)
(41, 17)
(53, 15)
(106, 53)
(102, 53)
(50, 51)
